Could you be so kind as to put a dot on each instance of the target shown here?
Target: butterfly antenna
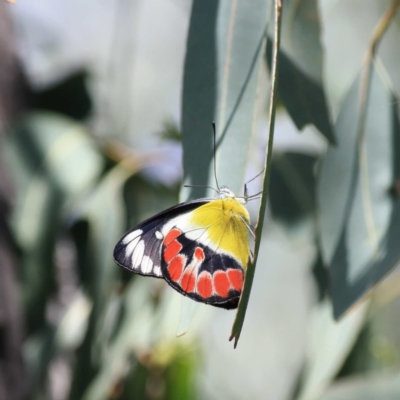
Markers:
(254, 177)
(245, 186)
(215, 156)
(255, 195)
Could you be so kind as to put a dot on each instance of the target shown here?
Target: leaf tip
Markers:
(236, 337)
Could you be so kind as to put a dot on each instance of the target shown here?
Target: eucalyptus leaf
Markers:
(336, 174)
(300, 85)
(222, 66)
(135, 333)
(145, 330)
(292, 187)
(380, 386)
(330, 343)
(367, 243)
(348, 28)
(388, 54)
(104, 212)
(53, 160)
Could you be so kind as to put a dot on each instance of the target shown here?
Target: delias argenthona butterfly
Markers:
(200, 247)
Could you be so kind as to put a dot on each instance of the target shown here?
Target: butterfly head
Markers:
(225, 193)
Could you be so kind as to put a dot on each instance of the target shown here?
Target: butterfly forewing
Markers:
(139, 250)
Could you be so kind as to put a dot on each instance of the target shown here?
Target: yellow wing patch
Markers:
(223, 219)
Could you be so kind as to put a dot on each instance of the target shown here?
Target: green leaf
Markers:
(382, 386)
(330, 343)
(346, 36)
(181, 377)
(388, 53)
(104, 212)
(135, 333)
(244, 298)
(146, 329)
(222, 66)
(336, 176)
(292, 187)
(300, 36)
(56, 148)
(360, 220)
(52, 160)
(300, 68)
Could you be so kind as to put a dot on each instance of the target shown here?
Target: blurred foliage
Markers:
(97, 332)
(69, 97)
(171, 131)
(292, 184)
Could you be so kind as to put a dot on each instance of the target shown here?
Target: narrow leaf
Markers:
(360, 220)
(382, 386)
(244, 299)
(300, 68)
(330, 344)
(222, 65)
(53, 160)
(292, 187)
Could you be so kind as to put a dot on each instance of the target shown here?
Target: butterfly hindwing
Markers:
(199, 272)
(139, 250)
(199, 247)
(200, 266)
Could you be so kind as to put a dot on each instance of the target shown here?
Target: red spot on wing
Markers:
(236, 278)
(189, 277)
(175, 268)
(188, 281)
(221, 283)
(204, 285)
(172, 250)
(171, 235)
(199, 254)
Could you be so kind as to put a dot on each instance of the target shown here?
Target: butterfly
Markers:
(200, 247)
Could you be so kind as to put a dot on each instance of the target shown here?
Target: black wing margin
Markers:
(139, 250)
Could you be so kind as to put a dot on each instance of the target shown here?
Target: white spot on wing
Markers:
(147, 265)
(199, 233)
(159, 235)
(130, 236)
(175, 222)
(138, 255)
(157, 270)
(131, 247)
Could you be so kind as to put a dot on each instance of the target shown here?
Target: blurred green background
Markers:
(106, 108)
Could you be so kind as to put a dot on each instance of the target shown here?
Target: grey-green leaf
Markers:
(292, 187)
(329, 344)
(300, 68)
(222, 67)
(359, 218)
(223, 60)
(382, 386)
(53, 160)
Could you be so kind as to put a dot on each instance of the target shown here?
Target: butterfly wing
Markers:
(139, 250)
(204, 255)
(200, 247)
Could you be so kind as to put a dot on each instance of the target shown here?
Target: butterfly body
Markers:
(200, 247)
